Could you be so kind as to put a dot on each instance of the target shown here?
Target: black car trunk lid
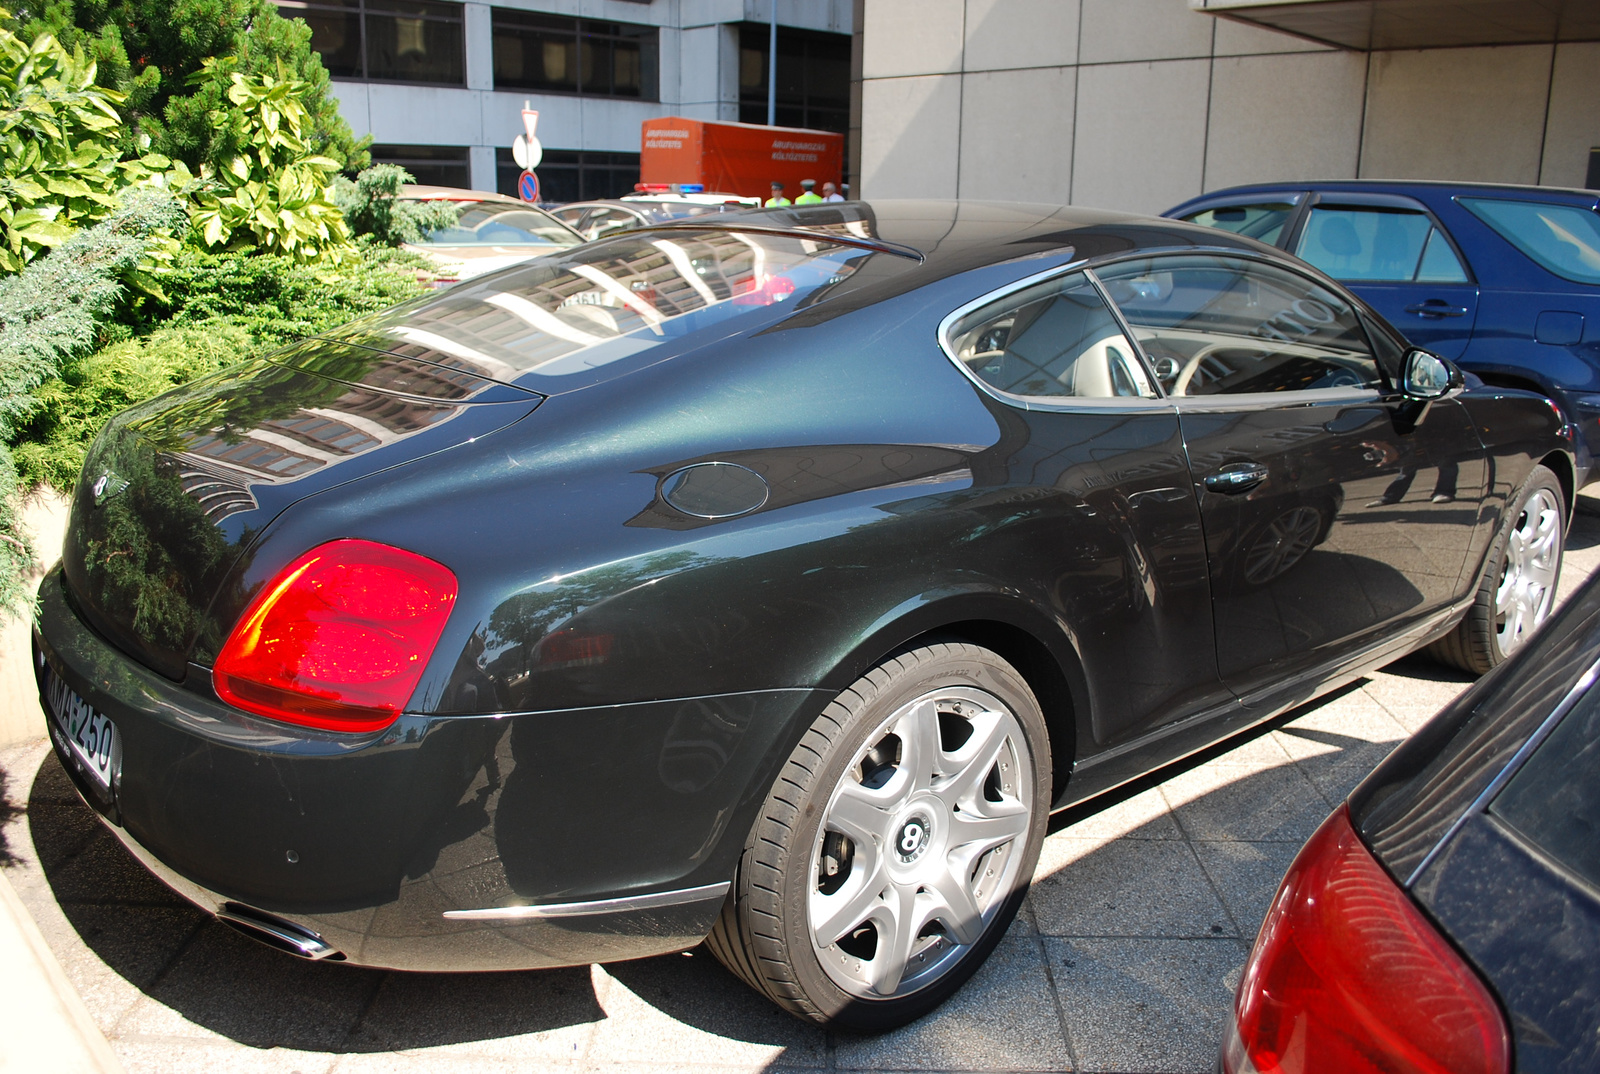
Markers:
(175, 491)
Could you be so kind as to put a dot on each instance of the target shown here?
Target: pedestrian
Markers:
(831, 193)
(808, 194)
(777, 198)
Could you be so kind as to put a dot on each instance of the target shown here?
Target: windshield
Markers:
(498, 223)
(572, 312)
(1562, 238)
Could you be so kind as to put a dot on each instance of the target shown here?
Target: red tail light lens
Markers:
(339, 638)
(1347, 976)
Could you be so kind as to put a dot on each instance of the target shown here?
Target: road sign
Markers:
(527, 153)
(528, 186)
(526, 150)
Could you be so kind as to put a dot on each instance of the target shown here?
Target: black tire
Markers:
(1487, 635)
(765, 934)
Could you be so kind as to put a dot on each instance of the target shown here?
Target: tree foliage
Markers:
(150, 51)
(372, 207)
(218, 309)
(50, 312)
(273, 194)
(71, 407)
(277, 299)
(58, 157)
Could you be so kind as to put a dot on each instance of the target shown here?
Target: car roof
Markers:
(612, 203)
(422, 192)
(1398, 186)
(709, 197)
(959, 235)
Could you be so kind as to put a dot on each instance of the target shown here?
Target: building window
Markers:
(385, 40)
(429, 165)
(557, 54)
(573, 174)
(813, 78)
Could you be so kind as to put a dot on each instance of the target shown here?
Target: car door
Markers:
(1394, 253)
(1336, 511)
(1091, 468)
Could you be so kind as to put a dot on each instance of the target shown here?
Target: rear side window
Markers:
(1564, 239)
(569, 313)
(1554, 799)
(1378, 246)
(1053, 340)
(1263, 221)
(1214, 325)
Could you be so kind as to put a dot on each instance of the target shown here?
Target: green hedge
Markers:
(222, 308)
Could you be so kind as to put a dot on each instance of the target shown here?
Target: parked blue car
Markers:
(1503, 280)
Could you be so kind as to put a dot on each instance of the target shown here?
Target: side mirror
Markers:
(1428, 376)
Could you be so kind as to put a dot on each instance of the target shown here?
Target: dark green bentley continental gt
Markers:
(763, 581)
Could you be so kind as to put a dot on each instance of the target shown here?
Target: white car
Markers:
(592, 219)
(491, 232)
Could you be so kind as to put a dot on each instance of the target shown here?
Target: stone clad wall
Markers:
(1139, 104)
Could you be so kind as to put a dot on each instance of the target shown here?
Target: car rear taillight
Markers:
(1348, 976)
(339, 638)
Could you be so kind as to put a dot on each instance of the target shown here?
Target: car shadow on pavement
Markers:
(7, 811)
(1138, 922)
(215, 978)
(1585, 533)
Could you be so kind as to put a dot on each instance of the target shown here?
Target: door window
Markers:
(1378, 246)
(1263, 221)
(1227, 326)
(1051, 340)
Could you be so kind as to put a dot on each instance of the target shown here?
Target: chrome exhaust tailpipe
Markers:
(276, 932)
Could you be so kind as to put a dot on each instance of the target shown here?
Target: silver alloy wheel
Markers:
(1528, 572)
(920, 844)
(1282, 544)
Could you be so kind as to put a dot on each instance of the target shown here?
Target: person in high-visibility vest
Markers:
(777, 198)
(810, 195)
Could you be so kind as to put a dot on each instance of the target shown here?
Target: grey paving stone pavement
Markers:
(1124, 958)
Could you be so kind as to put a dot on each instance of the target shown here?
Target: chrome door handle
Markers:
(1426, 309)
(1236, 477)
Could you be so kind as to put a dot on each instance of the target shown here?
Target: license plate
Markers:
(88, 736)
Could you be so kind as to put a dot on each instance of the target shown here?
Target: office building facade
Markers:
(440, 84)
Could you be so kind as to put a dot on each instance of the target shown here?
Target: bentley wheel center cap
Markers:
(913, 837)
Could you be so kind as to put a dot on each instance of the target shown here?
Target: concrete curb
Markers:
(43, 1023)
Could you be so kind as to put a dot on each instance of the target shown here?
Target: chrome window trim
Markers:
(652, 901)
(1045, 403)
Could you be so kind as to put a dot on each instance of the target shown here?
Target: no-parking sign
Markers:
(528, 186)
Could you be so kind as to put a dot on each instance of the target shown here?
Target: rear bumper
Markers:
(516, 841)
